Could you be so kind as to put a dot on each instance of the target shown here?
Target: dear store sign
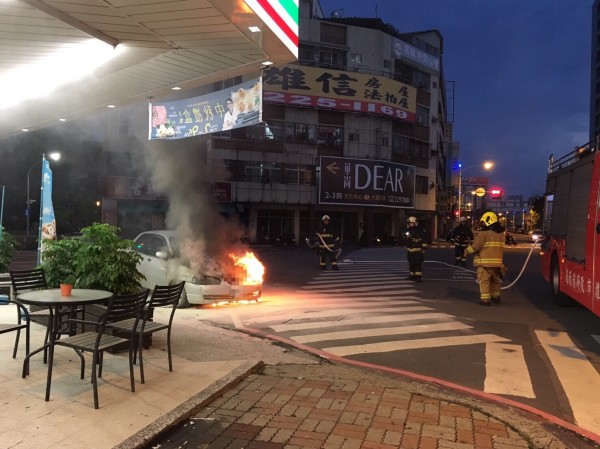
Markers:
(333, 89)
(366, 182)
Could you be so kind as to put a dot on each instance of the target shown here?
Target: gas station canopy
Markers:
(145, 48)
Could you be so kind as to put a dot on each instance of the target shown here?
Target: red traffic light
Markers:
(496, 192)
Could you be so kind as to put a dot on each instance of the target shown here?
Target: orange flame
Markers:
(254, 269)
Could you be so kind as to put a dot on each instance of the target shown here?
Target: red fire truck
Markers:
(571, 243)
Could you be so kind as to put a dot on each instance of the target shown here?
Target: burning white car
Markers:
(162, 265)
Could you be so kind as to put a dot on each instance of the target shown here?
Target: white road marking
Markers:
(362, 283)
(402, 288)
(391, 277)
(506, 371)
(597, 338)
(391, 307)
(398, 330)
(577, 375)
(365, 320)
(437, 342)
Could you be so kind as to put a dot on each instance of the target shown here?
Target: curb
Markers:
(143, 438)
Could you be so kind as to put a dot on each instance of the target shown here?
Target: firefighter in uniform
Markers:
(328, 239)
(416, 243)
(488, 248)
(462, 236)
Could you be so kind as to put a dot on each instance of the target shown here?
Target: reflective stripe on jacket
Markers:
(416, 239)
(489, 249)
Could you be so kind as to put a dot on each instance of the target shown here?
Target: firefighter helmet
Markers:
(325, 217)
(489, 218)
(463, 219)
(412, 220)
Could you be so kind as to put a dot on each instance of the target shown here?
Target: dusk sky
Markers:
(521, 70)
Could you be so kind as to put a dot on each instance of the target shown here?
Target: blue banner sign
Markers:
(235, 107)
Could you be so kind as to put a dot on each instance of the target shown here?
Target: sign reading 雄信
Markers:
(335, 89)
(366, 182)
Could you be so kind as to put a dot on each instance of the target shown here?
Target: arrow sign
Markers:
(366, 182)
(333, 168)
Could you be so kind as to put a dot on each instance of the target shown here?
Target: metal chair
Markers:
(21, 324)
(26, 280)
(119, 307)
(162, 296)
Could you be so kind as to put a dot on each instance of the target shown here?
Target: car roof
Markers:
(163, 232)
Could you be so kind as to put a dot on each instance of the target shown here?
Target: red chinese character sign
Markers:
(334, 89)
(366, 182)
(236, 107)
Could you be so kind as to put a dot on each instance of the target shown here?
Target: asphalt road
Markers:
(526, 349)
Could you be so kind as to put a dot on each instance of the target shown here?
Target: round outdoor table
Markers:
(53, 300)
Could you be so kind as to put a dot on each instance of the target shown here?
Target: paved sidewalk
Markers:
(340, 407)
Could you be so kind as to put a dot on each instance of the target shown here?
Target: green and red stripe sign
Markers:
(281, 16)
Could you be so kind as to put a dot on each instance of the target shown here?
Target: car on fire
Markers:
(162, 264)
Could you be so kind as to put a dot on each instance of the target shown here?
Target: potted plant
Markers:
(66, 286)
(98, 259)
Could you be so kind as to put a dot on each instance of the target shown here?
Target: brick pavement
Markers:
(289, 408)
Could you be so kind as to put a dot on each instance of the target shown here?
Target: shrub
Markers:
(99, 259)
(8, 245)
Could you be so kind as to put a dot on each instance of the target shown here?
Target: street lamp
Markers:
(55, 156)
(487, 165)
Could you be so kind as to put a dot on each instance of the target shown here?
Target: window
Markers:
(298, 174)
(333, 34)
(422, 184)
(357, 58)
(423, 115)
(387, 64)
(263, 172)
(354, 137)
(271, 131)
(329, 136)
(400, 145)
(300, 133)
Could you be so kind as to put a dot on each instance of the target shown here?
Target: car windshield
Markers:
(174, 247)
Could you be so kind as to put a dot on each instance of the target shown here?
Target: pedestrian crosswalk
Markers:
(369, 307)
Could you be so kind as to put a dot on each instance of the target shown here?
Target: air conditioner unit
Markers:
(434, 119)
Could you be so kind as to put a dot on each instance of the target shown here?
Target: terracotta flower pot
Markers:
(65, 289)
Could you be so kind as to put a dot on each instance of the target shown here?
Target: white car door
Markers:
(152, 267)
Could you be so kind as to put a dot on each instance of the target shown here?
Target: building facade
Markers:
(363, 99)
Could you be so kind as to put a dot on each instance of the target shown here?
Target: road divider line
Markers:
(379, 332)
(423, 343)
(364, 320)
(506, 370)
(571, 366)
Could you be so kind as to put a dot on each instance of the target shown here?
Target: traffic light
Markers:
(496, 193)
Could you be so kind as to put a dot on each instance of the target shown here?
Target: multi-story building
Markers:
(363, 100)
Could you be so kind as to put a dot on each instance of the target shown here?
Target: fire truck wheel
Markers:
(558, 297)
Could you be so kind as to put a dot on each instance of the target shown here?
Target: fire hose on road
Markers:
(513, 282)
(312, 245)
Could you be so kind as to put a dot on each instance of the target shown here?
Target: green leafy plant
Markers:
(8, 245)
(59, 261)
(98, 259)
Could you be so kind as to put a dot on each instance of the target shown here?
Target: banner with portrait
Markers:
(235, 107)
